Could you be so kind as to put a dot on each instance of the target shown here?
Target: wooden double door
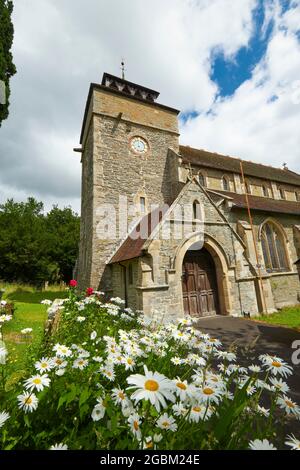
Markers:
(199, 284)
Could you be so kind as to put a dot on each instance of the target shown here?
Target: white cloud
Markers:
(260, 122)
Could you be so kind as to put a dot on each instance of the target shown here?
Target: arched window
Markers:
(282, 193)
(202, 179)
(196, 210)
(274, 249)
(142, 205)
(265, 190)
(225, 183)
(247, 187)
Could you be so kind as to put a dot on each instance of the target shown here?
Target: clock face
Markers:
(139, 145)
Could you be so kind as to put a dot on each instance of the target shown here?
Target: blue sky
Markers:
(230, 73)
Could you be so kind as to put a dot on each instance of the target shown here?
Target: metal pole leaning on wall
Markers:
(254, 240)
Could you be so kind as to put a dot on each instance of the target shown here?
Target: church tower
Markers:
(126, 136)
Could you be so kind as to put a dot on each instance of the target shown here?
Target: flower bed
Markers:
(109, 378)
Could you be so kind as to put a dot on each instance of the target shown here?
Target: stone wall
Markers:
(111, 169)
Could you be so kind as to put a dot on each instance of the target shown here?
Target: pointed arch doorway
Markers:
(199, 284)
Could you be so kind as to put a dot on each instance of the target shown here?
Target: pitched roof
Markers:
(132, 246)
(263, 204)
(226, 163)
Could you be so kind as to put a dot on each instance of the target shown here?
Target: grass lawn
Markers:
(289, 316)
(29, 313)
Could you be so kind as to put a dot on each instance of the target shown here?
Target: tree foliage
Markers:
(35, 247)
(7, 67)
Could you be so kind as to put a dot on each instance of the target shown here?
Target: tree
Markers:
(63, 228)
(35, 247)
(7, 67)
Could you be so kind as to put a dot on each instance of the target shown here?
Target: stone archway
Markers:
(221, 267)
(199, 284)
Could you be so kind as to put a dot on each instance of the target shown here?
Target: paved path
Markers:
(263, 337)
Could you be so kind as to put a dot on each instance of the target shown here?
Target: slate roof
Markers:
(231, 164)
(263, 204)
(132, 246)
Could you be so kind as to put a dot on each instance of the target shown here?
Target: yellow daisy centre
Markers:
(121, 395)
(197, 409)
(136, 425)
(208, 391)
(129, 361)
(149, 445)
(276, 364)
(290, 404)
(44, 365)
(37, 381)
(58, 361)
(166, 424)
(28, 401)
(181, 385)
(151, 385)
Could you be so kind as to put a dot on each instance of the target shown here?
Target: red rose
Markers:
(89, 291)
(73, 283)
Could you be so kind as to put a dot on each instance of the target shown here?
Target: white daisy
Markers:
(279, 385)
(59, 362)
(258, 444)
(80, 319)
(150, 443)
(62, 350)
(227, 356)
(97, 359)
(4, 416)
(167, 423)
(59, 446)
(276, 366)
(37, 382)
(293, 442)
(80, 363)
(119, 396)
(254, 368)
(179, 409)
(199, 412)
(177, 361)
(98, 411)
(44, 365)
(152, 386)
(3, 354)
(183, 389)
(26, 331)
(263, 411)
(209, 393)
(28, 401)
(108, 371)
(134, 421)
(290, 407)
(93, 335)
(60, 372)
(129, 363)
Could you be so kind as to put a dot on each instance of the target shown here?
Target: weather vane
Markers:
(123, 69)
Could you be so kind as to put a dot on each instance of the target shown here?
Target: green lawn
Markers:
(289, 316)
(30, 313)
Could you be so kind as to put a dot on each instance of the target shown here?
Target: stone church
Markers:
(241, 248)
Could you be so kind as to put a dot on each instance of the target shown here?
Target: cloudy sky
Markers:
(231, 66)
